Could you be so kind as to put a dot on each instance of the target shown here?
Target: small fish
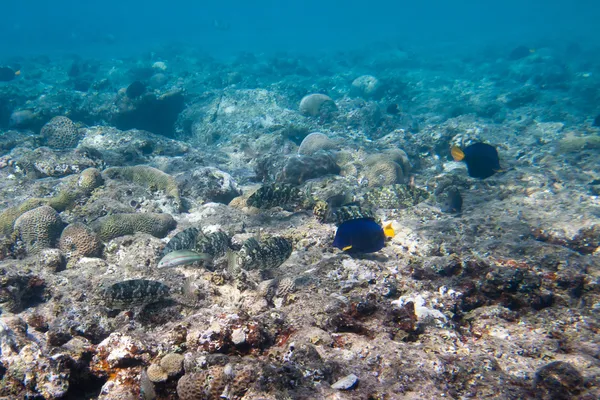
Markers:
(362, 235)
(277, 194)
(393, 109)
(482, 159)
(182, 257)
(520, 52)
(350, 212)
(184, 240)
(134, 292)
(214, 244)
(263, 255)
(135, 90)
(450, 200)
(8, 74)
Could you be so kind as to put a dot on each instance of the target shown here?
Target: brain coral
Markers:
(314, 142)
(203, 385)
(149, 177)
(116, 225)
(156, 373)
(367, 86)
(383, 172)
(10, 215)
(60, 133)
(90, 179)
(398, 156)
(172, 363)
(314, 104)
(78, 240)
(39, 228)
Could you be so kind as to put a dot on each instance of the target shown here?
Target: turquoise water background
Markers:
(112, 27)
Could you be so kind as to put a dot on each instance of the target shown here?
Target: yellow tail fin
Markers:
(457, 153)
(388, 230)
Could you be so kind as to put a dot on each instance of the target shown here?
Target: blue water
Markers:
(114, 27)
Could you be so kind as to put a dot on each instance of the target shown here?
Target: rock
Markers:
(238, 337)
(130, 147)
(346, 383)
(156, 114)
(52, 259)
(236, 112)
(299, 169)
(557, 381)
(208, 184)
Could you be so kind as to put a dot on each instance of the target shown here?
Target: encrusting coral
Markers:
(150, 177)
(112, 226)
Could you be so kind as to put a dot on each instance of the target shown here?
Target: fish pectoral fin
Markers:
(457, 153)
(347, 248)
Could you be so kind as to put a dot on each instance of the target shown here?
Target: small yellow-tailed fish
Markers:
(182, 257)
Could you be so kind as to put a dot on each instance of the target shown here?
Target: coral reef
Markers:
(487, 289)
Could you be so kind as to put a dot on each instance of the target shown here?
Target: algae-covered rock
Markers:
(149, 177)
(571, 144)
(44, 162)
(299, 169)
(116, 225)
(130, 147)
(209, 184)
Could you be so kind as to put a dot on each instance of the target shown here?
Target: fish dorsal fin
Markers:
(457, 153)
